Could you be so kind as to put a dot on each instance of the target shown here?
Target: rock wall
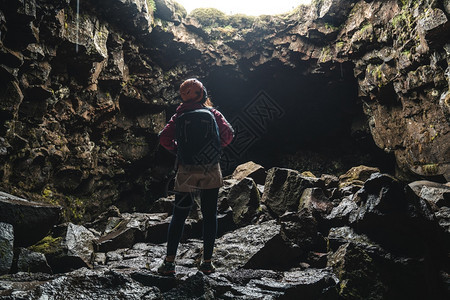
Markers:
(86, 89)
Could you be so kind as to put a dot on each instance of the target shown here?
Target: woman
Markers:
(206, 177)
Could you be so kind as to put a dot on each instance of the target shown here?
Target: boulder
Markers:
(243, 199)
(356, 176)
(443, 218)
(358, 277)
(70, 247)
(34, 262)
(301, 229)
(392, 215)
(284, 188)
(6, 247)
(130, 229)
(339, 215)
(254, 247)
(31, 220)
(435, 193)
(252, 170)
(314, 200)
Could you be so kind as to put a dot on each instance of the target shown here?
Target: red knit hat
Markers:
(191, 90)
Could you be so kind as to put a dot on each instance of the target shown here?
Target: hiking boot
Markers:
(207, 267)
(167, 268)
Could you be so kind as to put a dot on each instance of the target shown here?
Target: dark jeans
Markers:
(181, 209)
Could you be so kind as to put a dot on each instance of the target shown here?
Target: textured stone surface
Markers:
(6, 247)
(31, 220)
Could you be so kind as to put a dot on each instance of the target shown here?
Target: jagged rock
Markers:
(333, 11)
(70, 247)
(170, 11)
(254, 247)
(356, 176)
(358, 276)
(101, 222)
(443, 218)
(433, 192)
(283, 189)
(340, 214)
(132, 229)
(133, 15)
(314, 200)
(243, 198)
(447, 6)
(31, 220)
(329, 181)
(34, 262)
(11, 98)
(6, 247)
(252, 170)
(392, 215)
(83, 283)
(301, 229)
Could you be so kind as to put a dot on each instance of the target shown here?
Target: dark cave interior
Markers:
(309, 120)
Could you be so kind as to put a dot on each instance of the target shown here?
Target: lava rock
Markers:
(69, 248)
(392, 215)
(356, 176)
(301, 229)
(283, 189)
(358, 276)
(243, 198)
(252, 170)
(340, 214)
(170, 11)
(254, 247)
(6, 247)
(433, 192)
(314, 200)
(131, 229)
(31, 220)
(34, 262)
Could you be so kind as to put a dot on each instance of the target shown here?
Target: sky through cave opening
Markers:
(248, 7)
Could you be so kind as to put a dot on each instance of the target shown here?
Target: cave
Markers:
(335, 184)
(309, 120)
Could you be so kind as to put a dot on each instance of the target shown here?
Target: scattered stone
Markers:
(6, 247)
(31, 220)
(314, 200)
(70, 247)
(131, 229)
(252, 170)
(357, 274)
(356, 176)
(253, 247)
(243, 199)
(283, 189)
(34, 262)
(340, 214)
(433, 192)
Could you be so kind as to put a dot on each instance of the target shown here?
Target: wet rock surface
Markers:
(380, 242)
(83, 97)
(31, 220)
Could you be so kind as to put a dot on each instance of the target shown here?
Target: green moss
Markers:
(47, 245)
(151, 5)
(209, 17)
(430, 169)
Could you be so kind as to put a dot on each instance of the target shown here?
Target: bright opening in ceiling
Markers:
(248, 7)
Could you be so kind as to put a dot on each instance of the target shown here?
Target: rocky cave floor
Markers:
(282, 235)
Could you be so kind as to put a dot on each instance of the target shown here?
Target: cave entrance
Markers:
(295, 117)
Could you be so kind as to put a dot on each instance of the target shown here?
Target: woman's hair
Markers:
(208, 103)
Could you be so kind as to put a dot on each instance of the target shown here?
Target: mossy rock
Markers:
(48, 245)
